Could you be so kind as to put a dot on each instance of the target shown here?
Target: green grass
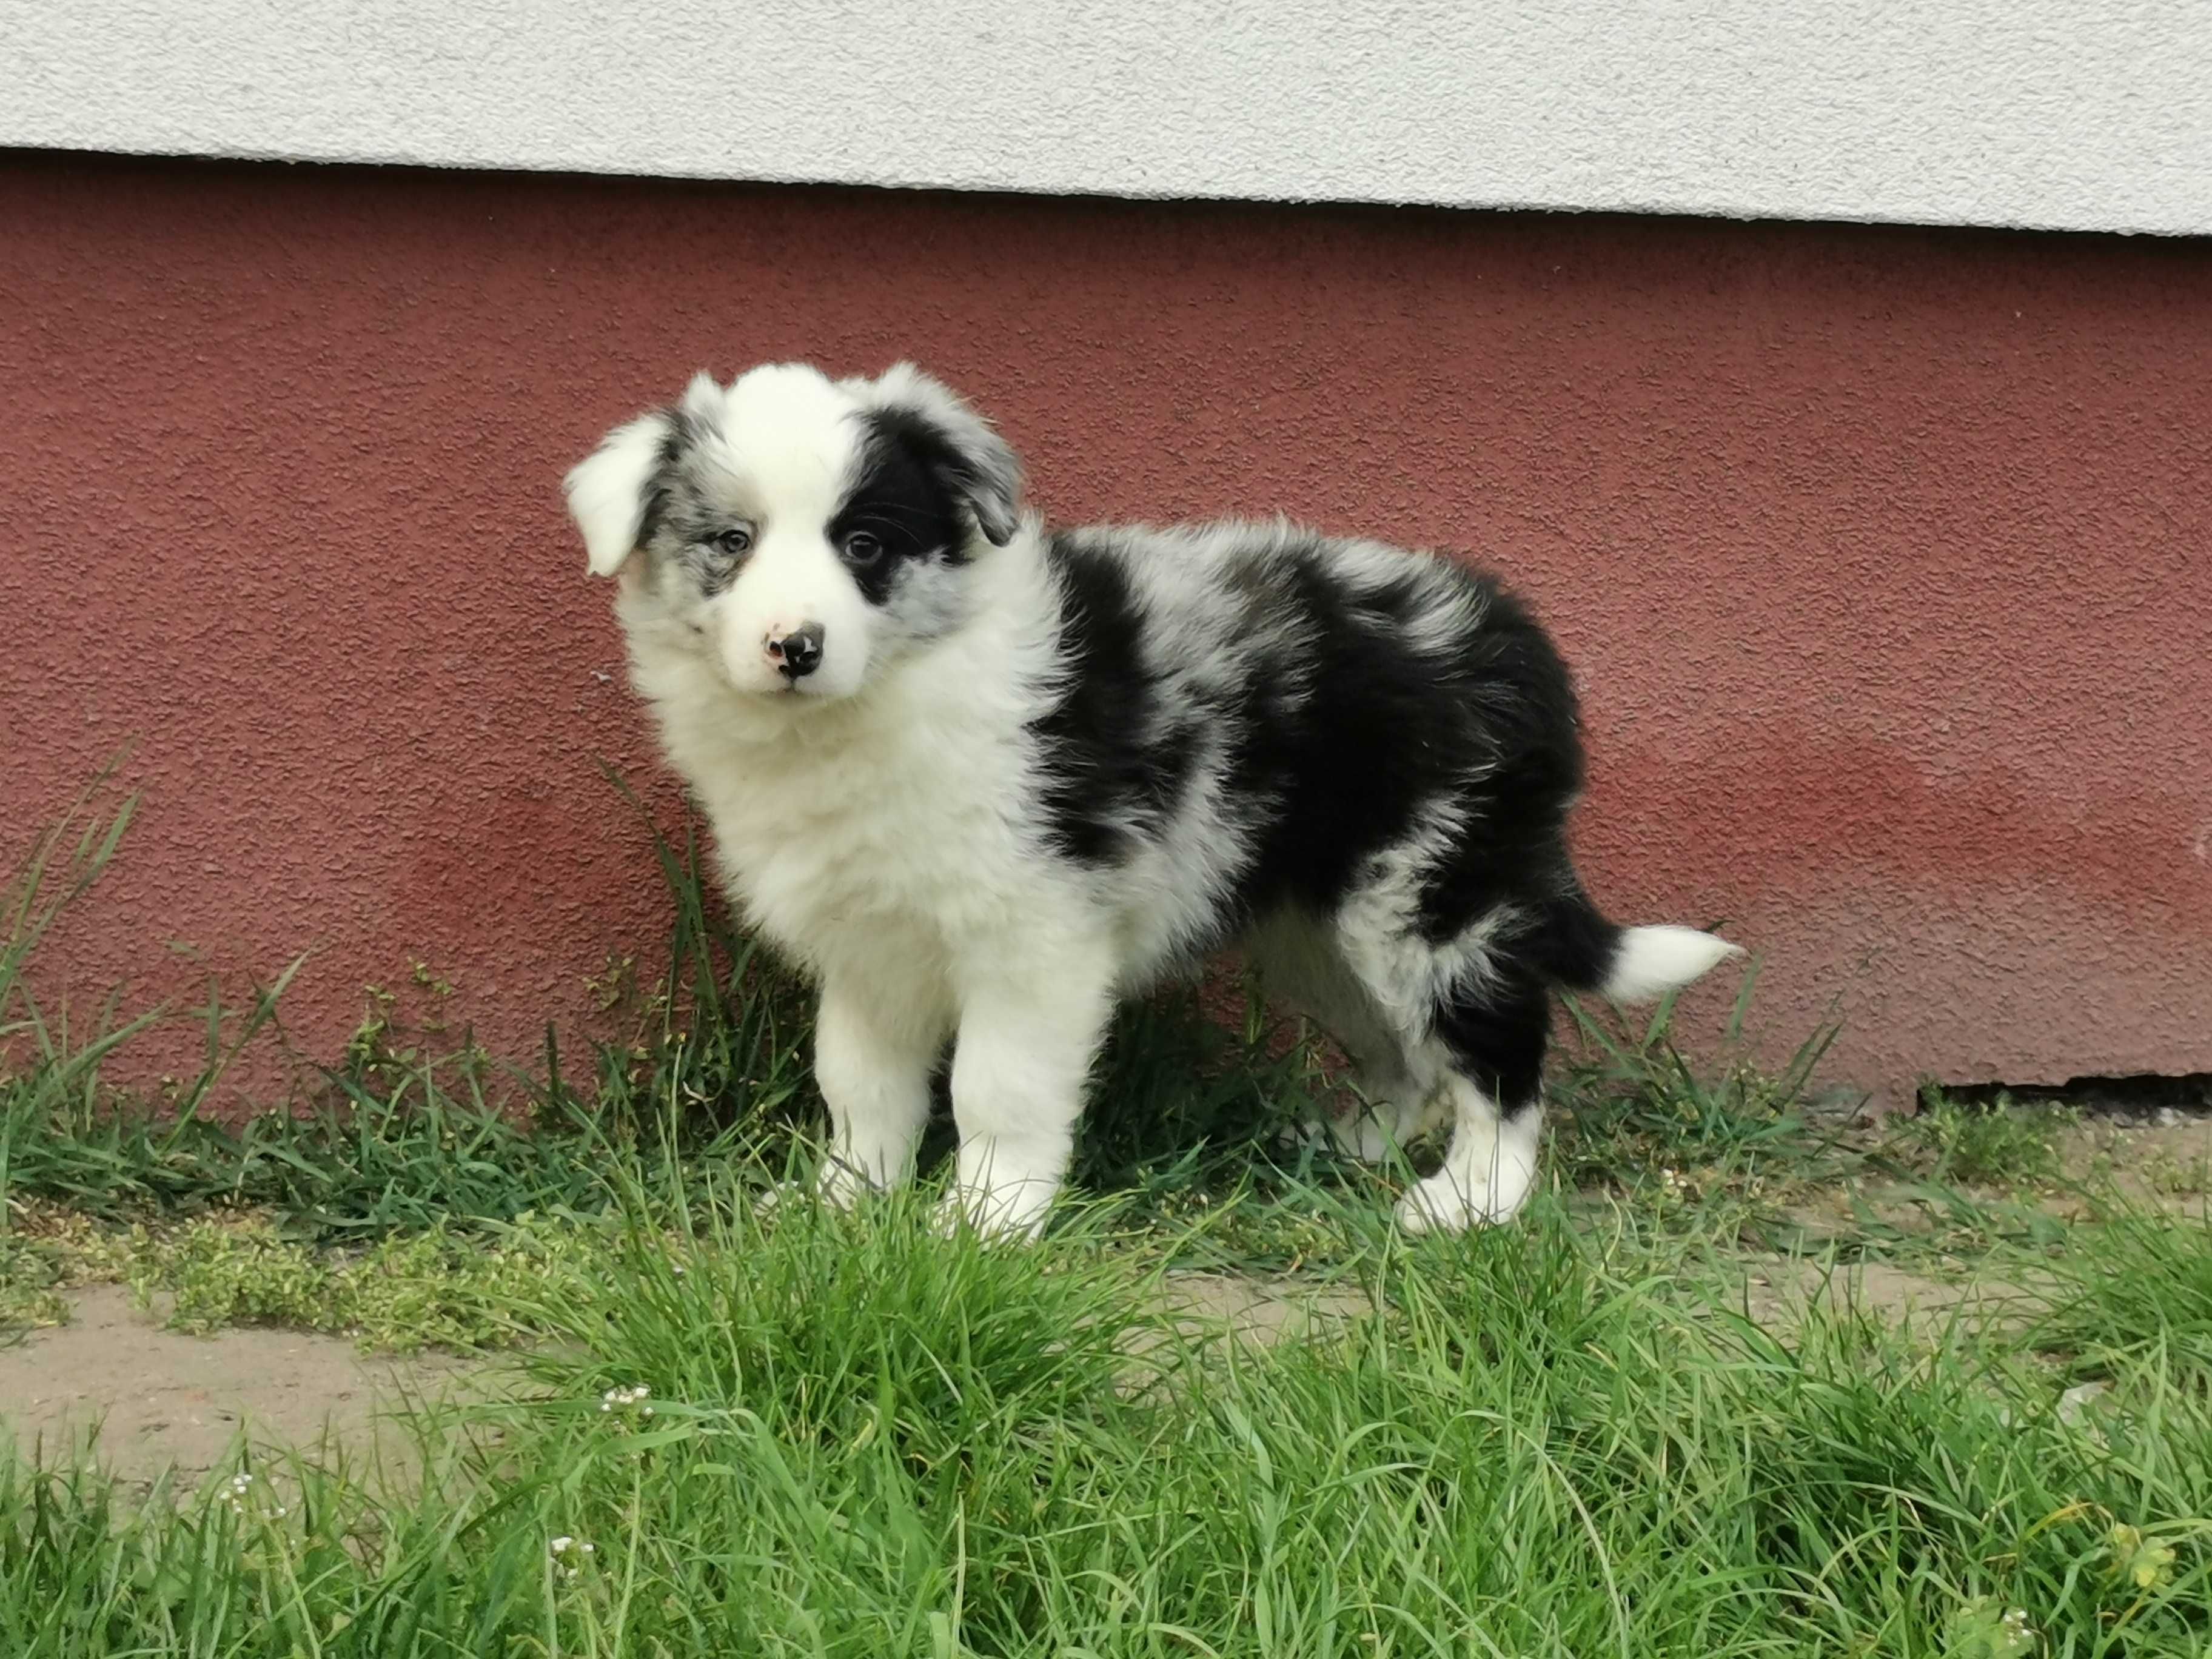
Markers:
(1637, 1108)
(786, 1431)
(2135, 1288)
(853, 1438)
(2000, 1145)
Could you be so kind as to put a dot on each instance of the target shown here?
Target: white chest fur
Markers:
(891, 822)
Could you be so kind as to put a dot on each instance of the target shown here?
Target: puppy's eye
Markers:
(730, 543)
(864, 549)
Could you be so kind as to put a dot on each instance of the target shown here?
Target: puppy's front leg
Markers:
(1027, 1037)
(875, 1044)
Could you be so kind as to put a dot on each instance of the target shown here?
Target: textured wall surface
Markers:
(2046, 112)
(1885, 556)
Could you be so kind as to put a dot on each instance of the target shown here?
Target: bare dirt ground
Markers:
(162, 1399)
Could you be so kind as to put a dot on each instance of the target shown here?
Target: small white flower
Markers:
(563, 1546)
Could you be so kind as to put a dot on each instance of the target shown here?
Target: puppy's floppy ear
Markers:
(608, 490)
(958, 444)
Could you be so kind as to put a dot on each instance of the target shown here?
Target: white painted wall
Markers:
(2084, 114)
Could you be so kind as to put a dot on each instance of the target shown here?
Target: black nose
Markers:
(798, 653)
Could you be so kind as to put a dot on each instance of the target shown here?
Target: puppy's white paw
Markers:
(1454, 1199)
(837, 1185)
(841, 1185)
(1013, 1215)
(769, 1200)
(1437, 1205)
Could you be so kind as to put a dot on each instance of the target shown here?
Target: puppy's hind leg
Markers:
(1487, 1050)
(1300, 965)
(1394, 1110)
(1475, 1017)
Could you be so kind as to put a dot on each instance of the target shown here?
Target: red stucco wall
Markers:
(1885, 556)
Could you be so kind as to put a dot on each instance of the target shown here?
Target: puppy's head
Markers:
(806, 532)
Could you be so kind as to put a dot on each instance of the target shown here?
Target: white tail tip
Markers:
(1649, 962)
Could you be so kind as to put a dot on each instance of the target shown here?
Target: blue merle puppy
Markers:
(981, 779)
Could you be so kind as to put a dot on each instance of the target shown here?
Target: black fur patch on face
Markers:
(1114, 764)
(982, 475)
(899, 497)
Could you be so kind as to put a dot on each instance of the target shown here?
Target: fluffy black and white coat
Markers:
(982, 779)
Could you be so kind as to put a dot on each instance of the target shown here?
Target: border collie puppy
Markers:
(982, 780)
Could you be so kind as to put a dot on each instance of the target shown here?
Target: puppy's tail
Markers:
(1584, 951)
